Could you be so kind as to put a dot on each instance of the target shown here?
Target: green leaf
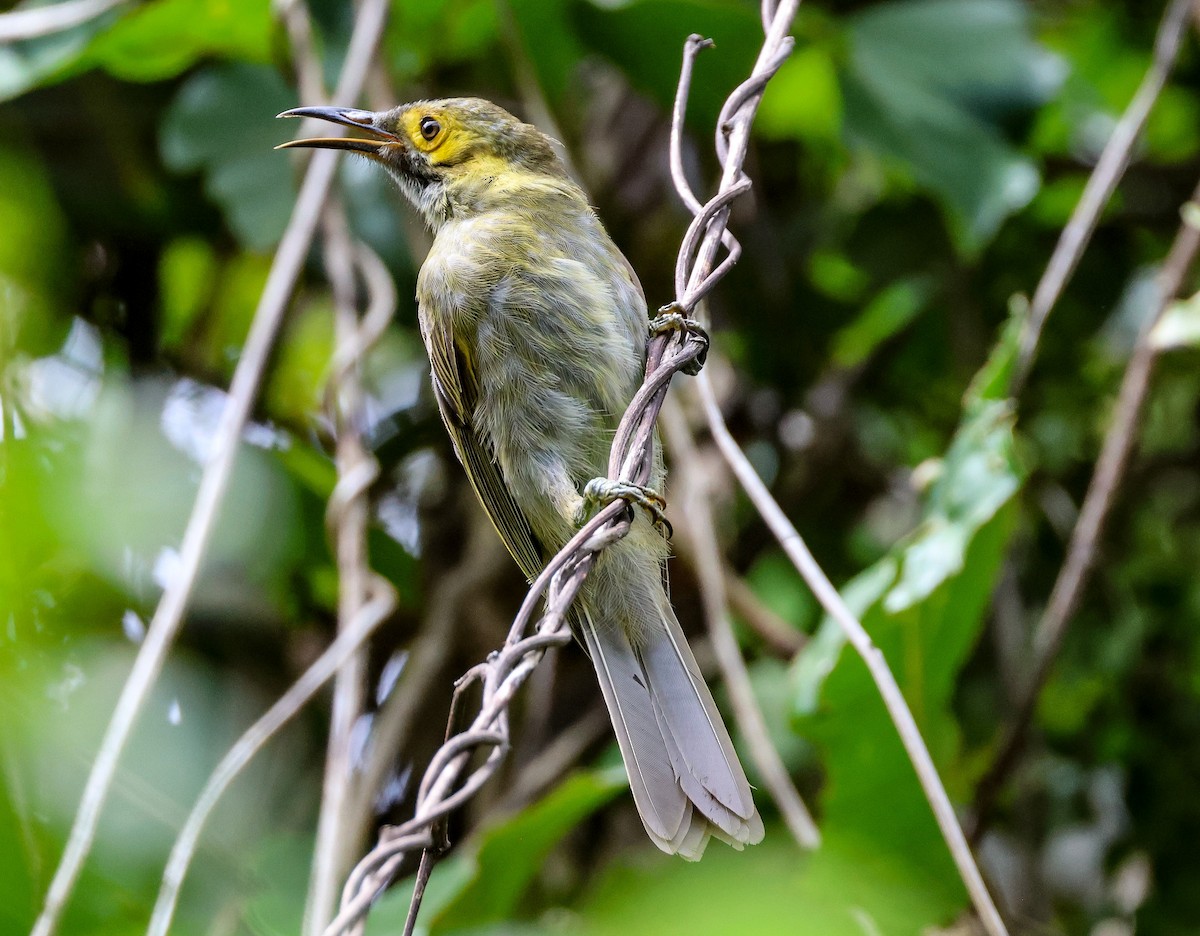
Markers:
(159, 40)
(145, 42)
(298, 377)
(510, 855)
(221, 124)
(821, 654)
(926, 84)
(872, 791)
(846, 888)
(893, 308)
(979, 476)
(186, 270)
(803, 100)
(1108, 62)
(992, 382)
(421, 36)
(549, 41)
(832, 272)
(33, 255)
(238, 288)
(774, 580)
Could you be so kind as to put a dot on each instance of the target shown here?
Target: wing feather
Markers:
(456, 389)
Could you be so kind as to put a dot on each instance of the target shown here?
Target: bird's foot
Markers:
(600, 492)
(671, 318)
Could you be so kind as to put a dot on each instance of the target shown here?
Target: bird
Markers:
(537, 329)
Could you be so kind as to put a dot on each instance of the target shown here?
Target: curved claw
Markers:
(601, 491)
(671, 319)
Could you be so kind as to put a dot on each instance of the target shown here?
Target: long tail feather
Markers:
(695, 724)
(687, 782)
(659, 800)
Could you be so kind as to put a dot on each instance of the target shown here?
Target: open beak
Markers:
(349, 117)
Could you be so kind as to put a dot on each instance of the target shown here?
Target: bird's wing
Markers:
(456, 389)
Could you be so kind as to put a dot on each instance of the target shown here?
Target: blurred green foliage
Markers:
(914, 161)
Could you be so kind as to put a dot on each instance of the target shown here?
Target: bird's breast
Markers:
(555, 331)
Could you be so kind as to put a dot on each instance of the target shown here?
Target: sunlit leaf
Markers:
(141, 42)
(1179, 326)
(298, 379)
(160, 39)
(46, 59)
(803, 99)
(993, 381)
(31, 262)
(979, 475)
(835, 274)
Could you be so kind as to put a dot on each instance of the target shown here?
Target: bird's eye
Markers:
(430, 128)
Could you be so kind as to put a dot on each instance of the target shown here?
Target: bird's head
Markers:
(445, 155)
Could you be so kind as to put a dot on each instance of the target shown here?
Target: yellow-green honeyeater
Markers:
(536, 328)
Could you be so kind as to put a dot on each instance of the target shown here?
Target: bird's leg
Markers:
(602, 491)
(671, 318)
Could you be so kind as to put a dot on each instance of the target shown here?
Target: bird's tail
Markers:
(685, 775)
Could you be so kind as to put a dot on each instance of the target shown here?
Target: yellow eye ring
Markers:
(430, 128)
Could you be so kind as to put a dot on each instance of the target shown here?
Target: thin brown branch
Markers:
(783, 638)
(376, 603)
(1085, 537)
(696, 498)
(424, 870)
(348, 518)
(1101, 184)
(168, 616)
